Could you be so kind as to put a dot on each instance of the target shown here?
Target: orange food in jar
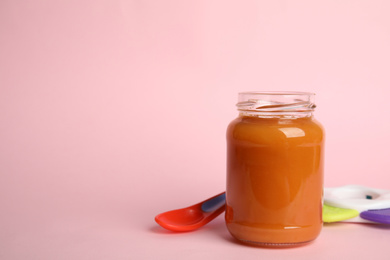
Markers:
(275, 170)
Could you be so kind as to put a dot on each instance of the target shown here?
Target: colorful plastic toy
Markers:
(372, 205)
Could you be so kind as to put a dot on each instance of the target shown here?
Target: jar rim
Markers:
(272, 103)
(292, 93)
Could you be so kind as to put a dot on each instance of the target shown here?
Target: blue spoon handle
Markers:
(214, 203)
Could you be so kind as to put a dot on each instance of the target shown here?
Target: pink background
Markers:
(112, 111)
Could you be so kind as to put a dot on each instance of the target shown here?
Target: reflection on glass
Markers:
(292, 132)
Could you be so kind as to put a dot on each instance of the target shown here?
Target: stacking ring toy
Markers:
(353, 203)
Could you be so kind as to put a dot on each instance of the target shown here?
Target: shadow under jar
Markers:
(275, 152)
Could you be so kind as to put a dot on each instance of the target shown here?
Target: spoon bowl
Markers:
(193, 217)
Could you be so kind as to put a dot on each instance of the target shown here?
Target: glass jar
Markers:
(275, 152)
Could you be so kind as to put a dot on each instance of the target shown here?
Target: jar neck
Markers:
(287, 105)
(288, 115)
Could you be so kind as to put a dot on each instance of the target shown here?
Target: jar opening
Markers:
(270, 104)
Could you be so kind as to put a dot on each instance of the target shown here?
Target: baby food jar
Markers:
(275, 152)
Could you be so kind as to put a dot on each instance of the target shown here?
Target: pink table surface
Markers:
(112, 111)
(119, 228)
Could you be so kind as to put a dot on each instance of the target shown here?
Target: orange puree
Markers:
(274, 180)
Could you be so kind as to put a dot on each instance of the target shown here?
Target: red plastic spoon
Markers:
(193, 217)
